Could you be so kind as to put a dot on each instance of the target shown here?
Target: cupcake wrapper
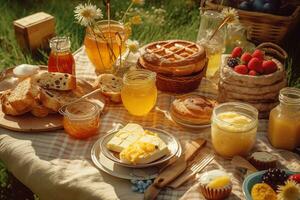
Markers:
(260, 165)
(215, 194)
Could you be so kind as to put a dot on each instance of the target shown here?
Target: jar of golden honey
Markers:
(81, 119)
(139, 91)
(284, 120)
(61, 58)
(233, 129)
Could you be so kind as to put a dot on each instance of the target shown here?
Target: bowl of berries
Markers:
(272, 184)
(254, 77)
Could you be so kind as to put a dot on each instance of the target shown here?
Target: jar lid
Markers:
(81, 110)
(60, 43)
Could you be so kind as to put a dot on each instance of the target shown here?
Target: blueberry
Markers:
(245, 5)
(268, 7)
(140, 183)
(141, 191)
(134, 188)
(258, 5)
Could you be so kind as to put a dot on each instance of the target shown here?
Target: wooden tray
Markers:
(28, 122)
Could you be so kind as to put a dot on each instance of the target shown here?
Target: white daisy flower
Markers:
(230, 13)
(87, 14)
(132, 45)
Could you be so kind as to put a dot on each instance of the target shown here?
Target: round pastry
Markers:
(193, 109)
(262, 191)
(215, 184)
(173, 57)
(263, 160)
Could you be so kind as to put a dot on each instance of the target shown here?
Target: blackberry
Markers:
(232, 62)
(274, 177)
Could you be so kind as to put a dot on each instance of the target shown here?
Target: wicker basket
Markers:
(263, 27)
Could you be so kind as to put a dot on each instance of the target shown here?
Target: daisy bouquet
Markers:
(106, 40)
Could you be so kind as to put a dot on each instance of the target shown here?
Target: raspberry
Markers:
(246, 57)
(274, 177)
(258, 54)
(241, 69)
(232, 62)
(255, 64)
(252, 73)
(236, 52)
(269, 67)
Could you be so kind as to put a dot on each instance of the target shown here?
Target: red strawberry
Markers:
(295, 177)
(255, 64)
(269, 67)
(252, 73)
(236, 52)
(246, 57)
(258, 54)
(241, 69)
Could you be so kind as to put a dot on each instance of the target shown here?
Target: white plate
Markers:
(172, 143)
(112, 168)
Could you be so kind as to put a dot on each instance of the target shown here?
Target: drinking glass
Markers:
(210, 20)
(139, 91)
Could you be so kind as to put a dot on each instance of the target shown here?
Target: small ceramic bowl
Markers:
(254, 178)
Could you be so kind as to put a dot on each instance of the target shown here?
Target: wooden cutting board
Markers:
(29, 123)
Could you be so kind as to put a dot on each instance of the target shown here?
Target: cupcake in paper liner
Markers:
(263, 160)
(215, 185)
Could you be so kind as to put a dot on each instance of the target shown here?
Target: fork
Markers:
(201, 161)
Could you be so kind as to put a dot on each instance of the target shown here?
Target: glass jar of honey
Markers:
(233, 130)
(284, 120)
(61, 58)
(81, 119)
(139, 91)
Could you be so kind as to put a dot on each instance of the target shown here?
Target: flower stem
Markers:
(124, 16)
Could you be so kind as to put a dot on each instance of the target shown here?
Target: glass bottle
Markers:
(61, 58)
(284, 120)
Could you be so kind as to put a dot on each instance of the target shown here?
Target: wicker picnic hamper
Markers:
(264, 27)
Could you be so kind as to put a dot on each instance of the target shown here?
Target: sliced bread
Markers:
(8, 109)
(55, 80)
(39, 110)
(110, 86)
(22, 97)
(54, 100)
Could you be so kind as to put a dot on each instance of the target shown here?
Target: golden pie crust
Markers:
(193, 109)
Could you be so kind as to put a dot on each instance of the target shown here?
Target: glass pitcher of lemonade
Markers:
(104, 43)
(284, 121)
(210, 20)
(139, 91)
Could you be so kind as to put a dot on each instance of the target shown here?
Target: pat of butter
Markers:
(25, 70)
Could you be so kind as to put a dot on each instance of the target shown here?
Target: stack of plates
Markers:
(110, 163)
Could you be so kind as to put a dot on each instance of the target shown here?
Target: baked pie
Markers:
(192, 109)
(173, 57)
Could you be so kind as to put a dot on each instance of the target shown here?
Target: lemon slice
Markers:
(219, 182)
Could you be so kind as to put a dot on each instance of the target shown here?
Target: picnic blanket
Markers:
(57, 167)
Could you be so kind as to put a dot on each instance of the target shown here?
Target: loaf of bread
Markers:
(110, 86)
(55, 80)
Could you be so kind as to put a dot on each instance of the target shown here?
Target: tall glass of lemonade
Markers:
(104, 43)
(139, 91)
(210, 20)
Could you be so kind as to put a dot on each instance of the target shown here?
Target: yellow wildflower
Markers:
(139, 2)
(136, 20)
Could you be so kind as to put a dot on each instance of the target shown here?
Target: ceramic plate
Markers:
(252, 179)
(171, 142)
(112, 168)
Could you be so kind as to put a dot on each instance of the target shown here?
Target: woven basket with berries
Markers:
(254, 77)
(267, 21)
